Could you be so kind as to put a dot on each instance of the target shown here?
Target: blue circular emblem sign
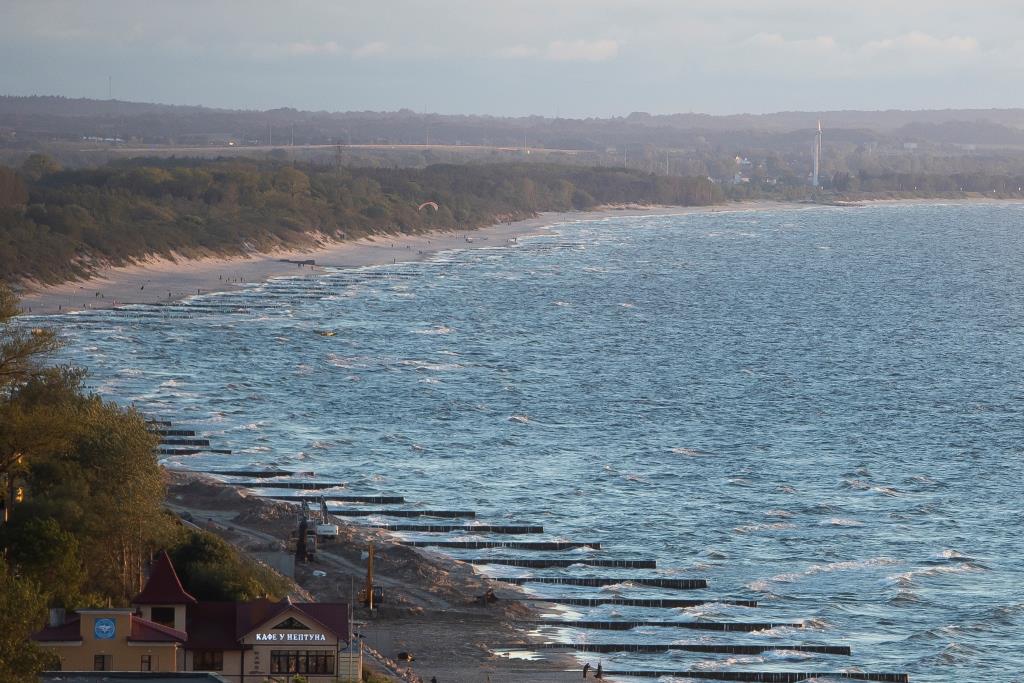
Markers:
(104, 629)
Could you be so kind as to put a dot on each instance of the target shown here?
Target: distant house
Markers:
(167, 630)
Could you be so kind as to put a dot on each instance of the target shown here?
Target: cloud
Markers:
(581, 50)
(305, 47)
(372, 49)
(917, 41)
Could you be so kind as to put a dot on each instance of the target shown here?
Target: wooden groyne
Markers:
(299, 485)
(192, 451)
(185, 442)
(378, 500)
(840, 650)
(469, 528)
(258, 474)
(656, 603)
(173, 432)
(678, 584)
(765, 676)
(547, 563)
(511, 545)
(615, 625)
(404, 513)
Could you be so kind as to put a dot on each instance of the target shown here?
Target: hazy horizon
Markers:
(525, 115)
(572, 59)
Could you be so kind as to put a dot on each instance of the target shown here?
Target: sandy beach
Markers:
(159, 280)
(430, 610)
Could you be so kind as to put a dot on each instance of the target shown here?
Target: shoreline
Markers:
(162, 281)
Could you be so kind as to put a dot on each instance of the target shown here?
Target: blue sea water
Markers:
(820, 409)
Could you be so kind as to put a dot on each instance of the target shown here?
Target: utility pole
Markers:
(351, 623)
(817, 155)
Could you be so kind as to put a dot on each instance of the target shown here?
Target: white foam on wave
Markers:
(521, 419)
(437, 329)
(426, 365)
(847, 565)
(949, 554)
(907, 579)
(691, 452)
(840, 521)
(754, 528)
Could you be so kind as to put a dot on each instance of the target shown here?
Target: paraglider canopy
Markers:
(425, 204)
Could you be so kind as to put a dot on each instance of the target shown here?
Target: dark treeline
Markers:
(41, 117)
(82, 496)
(58, 224)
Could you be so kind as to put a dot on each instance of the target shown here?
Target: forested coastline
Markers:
(58, 224)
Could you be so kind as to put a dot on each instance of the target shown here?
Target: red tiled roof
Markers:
(144, 631)
(66, 632)
(163, 587)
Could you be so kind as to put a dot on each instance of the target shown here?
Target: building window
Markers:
(147, 663)
(301, 662)
(163, 616)
(103, 662)
(208, 660)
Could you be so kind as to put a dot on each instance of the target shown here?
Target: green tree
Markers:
(211, 569)
(22, 612)
(47, 554)
(21, 351)
(12, 190)
(38, 166)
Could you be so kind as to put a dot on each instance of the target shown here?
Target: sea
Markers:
(818, 409)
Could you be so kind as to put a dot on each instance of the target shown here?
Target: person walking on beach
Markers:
(600, 671)
(586, 669)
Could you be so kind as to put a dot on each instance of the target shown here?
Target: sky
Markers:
(570, 58)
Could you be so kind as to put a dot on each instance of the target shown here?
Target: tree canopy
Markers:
(66, 222)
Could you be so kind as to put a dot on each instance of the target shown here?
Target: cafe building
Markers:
(167, 630)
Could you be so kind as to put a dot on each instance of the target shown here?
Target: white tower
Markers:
(817, 155)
